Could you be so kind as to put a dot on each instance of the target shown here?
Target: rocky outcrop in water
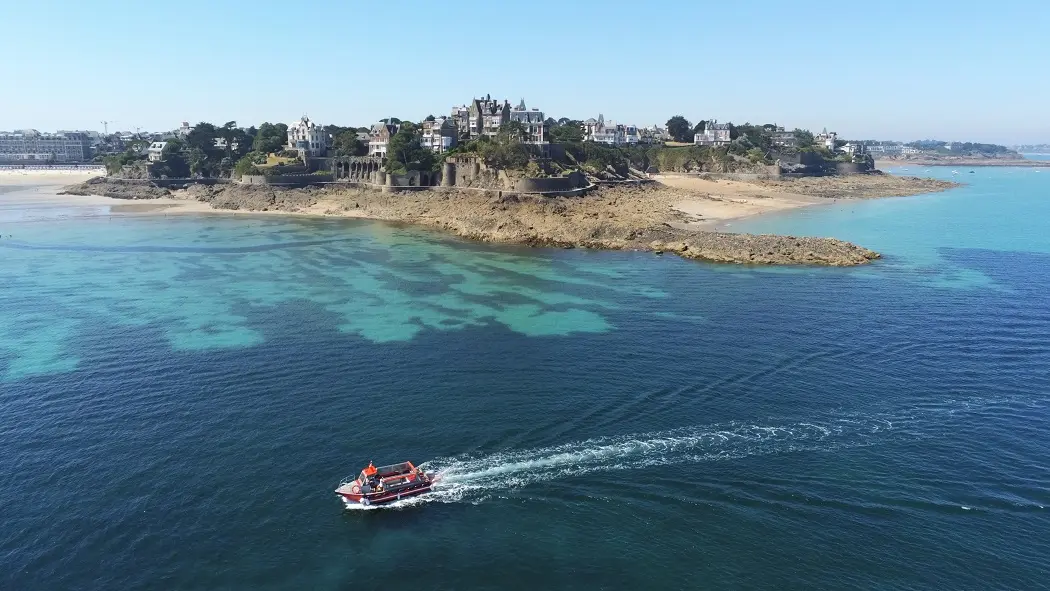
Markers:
(861, 186)
(117, 188)
(621, 218)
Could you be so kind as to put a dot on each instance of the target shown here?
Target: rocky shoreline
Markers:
(618, 218)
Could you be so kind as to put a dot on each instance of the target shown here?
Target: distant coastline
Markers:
(961, 162)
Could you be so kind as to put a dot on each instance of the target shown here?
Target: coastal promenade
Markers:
(8, 170)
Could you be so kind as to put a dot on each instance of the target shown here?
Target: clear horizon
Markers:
(955, 71)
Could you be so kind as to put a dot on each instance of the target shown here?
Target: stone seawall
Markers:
(288, 180)
(561, 184)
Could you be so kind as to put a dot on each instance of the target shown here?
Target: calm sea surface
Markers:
(179, 397)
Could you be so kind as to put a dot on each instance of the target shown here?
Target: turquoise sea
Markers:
(179, 396)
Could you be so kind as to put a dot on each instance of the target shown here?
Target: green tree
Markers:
(404, 152)
(198, 160)
(247, 164)
(566, 133)
(115, 162)
(202, 137)
(804, 138)
(700, 127)
(229, 133)
(680, 129)
(345, 143)
(270, 138)
(756, 155)
(504, 152)
(173, 163)
(514, 130)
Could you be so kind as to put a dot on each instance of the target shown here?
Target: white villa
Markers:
(155, 152)
(714, 134)
(827, 139)
(609, 132)
(306, 136)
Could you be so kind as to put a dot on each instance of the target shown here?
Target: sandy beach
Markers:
(710, 204)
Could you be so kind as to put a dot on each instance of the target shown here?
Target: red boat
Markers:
(386, 484)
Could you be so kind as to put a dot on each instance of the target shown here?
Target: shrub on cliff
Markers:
(247, 165)
(757, 156)
(116, 162)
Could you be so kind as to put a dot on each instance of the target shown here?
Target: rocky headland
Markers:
(626, 217)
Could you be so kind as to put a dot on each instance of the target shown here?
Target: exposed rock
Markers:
(621, 218)
(117, 189)
(861, 186)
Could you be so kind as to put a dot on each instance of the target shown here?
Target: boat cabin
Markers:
(389, 478)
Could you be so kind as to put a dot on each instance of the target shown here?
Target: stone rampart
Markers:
(291, 180)
(852, 167)
(558, 184)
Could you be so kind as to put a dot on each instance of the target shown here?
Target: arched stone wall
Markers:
(357, 168)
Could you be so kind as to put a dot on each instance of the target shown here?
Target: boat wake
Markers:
(475, 479)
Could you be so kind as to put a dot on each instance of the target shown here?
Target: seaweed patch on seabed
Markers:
(127, 273)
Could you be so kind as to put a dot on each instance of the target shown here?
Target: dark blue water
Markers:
(180, 397)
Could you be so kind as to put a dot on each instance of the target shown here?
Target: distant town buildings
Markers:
(379, 138)
(94, 137)
(439, 135)
(532, 120)
(483, 117)
(654, 135)
(184, 129)
(30, 144)
(461, 118)
(885, 149)
(784, 139)
(854, 148)
(826, 139)
(155, 152)
(609, 132)
(714, 134)
(307, 137)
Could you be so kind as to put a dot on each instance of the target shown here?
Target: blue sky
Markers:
(957, 70)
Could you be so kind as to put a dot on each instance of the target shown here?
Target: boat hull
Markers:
(383, 498)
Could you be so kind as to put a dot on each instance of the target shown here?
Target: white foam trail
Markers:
(475, 478)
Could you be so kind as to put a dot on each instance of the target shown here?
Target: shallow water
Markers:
(181, 395)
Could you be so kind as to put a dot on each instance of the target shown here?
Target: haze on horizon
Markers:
(951, 70)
